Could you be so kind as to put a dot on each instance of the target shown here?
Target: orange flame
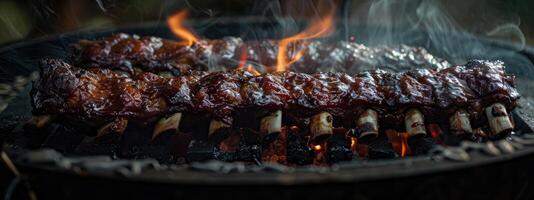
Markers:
(404, 144)
(319, 28)
(252, 70)
(317, 147)
(243, 58)
(175, 23)
(353, 142)
(399, 141)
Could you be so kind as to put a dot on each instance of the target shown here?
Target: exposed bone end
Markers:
(216, 125)
(367, 125)
(498, 119)
(460, 124)
(117, 126)
(40, 121)
(164, 124)
(321, 126)
(414, 122)
(271, 123)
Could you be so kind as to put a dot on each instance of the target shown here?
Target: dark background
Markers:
(21, 19)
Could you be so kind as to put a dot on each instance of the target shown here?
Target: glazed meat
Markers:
(153, 54)
(100, 94)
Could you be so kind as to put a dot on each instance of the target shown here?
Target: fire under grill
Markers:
(271, 144)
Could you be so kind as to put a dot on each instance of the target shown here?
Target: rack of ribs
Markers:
(479, 92)
(152, 54)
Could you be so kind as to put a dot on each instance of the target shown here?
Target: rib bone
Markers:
(414, 122)
(116, 126)
(498, 119)
(216, 125)
(40, 120)
(460, 123)
(271, 123)
(367, 124)
(321, 126)
(170, 123)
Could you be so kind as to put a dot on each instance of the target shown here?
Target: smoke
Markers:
(428, 23)
(456, 30)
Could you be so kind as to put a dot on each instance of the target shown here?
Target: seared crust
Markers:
(153, 54)
(98, 94)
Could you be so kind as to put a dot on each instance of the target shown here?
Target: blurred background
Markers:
(21, 19)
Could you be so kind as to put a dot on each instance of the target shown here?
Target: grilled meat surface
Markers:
(153, 54)
(100, 94)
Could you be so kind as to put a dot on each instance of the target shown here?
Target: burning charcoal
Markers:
(11, 131)
(249, 152)
(249, 146)
(104, 145)
(421, 145)
(164, 138)
(33, 136)
(135, 136)
(227, 144)
(179, 144)
(221, 134)
(268, 139)
(161, 153)
(380, 148)
(298, 152)
(225, 156)
(274, 147)
(173, 146)
(63, 138)
(338, 149)
(199, 150)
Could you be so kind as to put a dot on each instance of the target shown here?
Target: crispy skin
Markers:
(153, 54)
(102, 94)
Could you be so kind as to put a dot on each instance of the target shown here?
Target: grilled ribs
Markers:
(153, 54)
(100, 95)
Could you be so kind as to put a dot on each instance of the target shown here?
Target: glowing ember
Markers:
(318, 28)
(175, 23)
(435, 131)
(317, 147)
